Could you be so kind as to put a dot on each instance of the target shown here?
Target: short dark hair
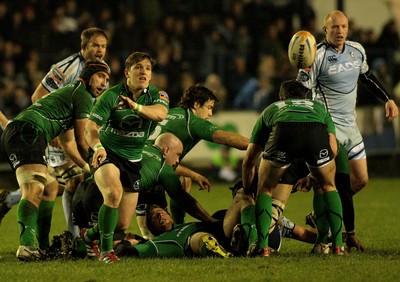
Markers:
(89, 33)
(149, 223)
(136, 57)
(197, 93)
(292, 89)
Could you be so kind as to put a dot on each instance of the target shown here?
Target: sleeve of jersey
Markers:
(170, 181)
(260, 133)
(83, 103)
(374, 86)
(102, 108)
(58, 77)
(161, 98)
(329, 123)
(308, 77)
(202, 129)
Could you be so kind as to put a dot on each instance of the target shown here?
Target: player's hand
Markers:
(353, 242)
(305, 184)
(126, 102)
(99, 156)
(202, 181)
(391, 110)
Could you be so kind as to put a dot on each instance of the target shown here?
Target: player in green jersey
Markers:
(25, 139)
(157, 170)
(189, 122)
(117, 130)
(287, 130)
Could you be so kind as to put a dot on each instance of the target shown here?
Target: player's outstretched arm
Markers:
(230, 139)
(197, 178)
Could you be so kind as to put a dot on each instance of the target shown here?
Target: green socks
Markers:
(108, 219)
(44, 223)
(263, 218)
(248, 221)
(27, 216)
(334, 216)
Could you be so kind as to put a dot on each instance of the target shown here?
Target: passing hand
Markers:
(353, 242)
(305, 184)
(202, 181)
(99, 156)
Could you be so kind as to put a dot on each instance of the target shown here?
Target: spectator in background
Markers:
(214, 83)
(236, 78)
(257, 93)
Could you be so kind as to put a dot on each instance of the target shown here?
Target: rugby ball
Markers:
(302, 49)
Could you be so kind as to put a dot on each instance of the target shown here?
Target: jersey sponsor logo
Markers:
(324, 156)
(57, 74)
(323, 153)
(176, 116)
(323, 160)
(136, 185)
(303, 76)
(332, 59)
(134, 134)
(97, 116)
(151, 155)
(14, 160)
(50, 82)
(129, 122)
(344, 67)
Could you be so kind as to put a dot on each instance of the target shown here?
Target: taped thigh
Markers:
(32, 177)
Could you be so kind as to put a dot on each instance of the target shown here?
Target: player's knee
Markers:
(358, 184)
(113, 198)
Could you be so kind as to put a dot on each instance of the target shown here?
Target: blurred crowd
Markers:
(238, 48)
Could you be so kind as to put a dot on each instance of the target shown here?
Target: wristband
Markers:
(351, 233)
(98, 146)
(138, 108)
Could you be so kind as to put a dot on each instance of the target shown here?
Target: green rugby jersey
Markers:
(156, 170)
(124, 131)
(174, 243)
(185, 125)
(55, 113)
(289, 110)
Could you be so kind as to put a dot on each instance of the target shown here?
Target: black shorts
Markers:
(129, 172)
(297, 170)
(292, 140)
(86, 203)
(24, 144)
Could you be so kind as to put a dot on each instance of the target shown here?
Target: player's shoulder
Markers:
(75, 59)
(355, 45)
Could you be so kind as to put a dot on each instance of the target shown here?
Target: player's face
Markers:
(98, 83)
(173, 155)
(205, 111)
(139, 75)
(336, 30)
(96, 48)
(161, 220)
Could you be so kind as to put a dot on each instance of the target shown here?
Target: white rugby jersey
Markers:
(334, 75)
(64, 72)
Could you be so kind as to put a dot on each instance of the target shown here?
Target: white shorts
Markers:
(351, 139)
